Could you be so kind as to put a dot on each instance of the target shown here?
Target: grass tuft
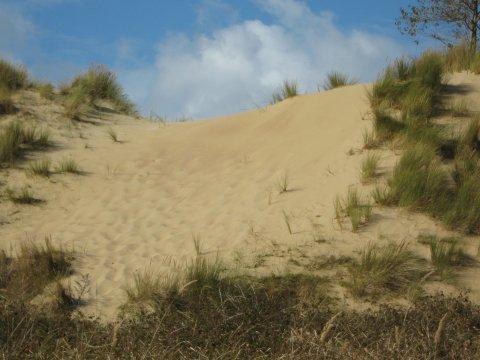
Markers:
(289, 90)
(10, 140)
(445, 254)
(390, 268)
(40, 168)
(354, 208)
(98, 83)
(13, 77)
(459, 108)
(382, 195)
(46, 90)
(23, 196)
(336, 79)
(68, 166)
(369, 167)
(419, 181)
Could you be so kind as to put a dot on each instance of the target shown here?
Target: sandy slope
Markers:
(141, 201)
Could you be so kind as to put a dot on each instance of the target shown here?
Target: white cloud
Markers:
(238, 66)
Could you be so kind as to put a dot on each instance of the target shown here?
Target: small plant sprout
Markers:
(288, 222)
(113, 135)
(197, 243)
(283, 183)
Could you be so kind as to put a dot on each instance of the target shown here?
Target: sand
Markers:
(141, 201)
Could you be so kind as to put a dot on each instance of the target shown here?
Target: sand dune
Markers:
(142, 200)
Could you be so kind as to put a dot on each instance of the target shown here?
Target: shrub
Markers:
(336, 79)
(389, 268)
(354, 208)
(13, 77)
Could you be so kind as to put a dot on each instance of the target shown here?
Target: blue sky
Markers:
(203, 58)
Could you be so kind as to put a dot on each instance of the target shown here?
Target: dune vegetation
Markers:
(403, 101)
(207, 309)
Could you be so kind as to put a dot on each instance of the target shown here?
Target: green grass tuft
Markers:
(10, 140)
(289, 90)
(382, 195)
(336, 79)
(40, 168)
(354, 208)
(46, 90)
(13, 77)
(98, 83)
(459, 108)
(369, 167)
(391, 268)
(69, 166)
(419, 181)
(23, 196)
